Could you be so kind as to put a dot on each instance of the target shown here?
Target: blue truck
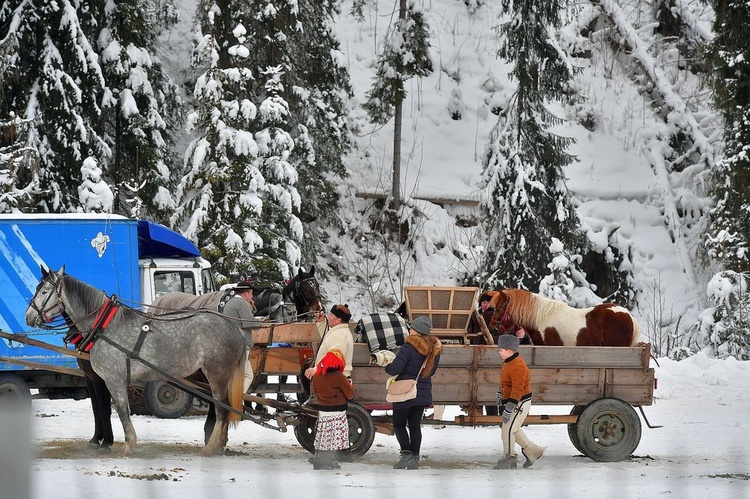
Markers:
(137, 260)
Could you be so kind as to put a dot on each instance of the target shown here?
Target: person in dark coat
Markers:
(419, 348)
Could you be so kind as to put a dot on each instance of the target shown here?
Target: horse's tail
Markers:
(235, 390)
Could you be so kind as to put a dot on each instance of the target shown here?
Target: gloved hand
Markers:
(383, 357)
(508, 411)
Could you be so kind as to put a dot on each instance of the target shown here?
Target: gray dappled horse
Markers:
(126, 344)
(299, 297)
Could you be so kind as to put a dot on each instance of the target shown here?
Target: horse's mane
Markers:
(531, 310)
(89, 299)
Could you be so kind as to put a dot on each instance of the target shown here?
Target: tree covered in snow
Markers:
(730, 231)
(297, 38)
(140, 107)
(723, 329)
(19, 164)
(54, 80)
(237, 195)
(526, 202)
(404, 56)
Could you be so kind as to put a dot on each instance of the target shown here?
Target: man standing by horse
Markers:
(241, 306)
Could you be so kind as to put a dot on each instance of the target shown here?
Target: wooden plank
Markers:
(40, 365)
(20, 338)
(544, 356)
(281, 360)
(295, 332)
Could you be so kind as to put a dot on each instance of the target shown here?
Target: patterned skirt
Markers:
(332, 431)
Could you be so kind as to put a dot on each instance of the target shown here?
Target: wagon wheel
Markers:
(573, 428)
(608, 430)
(166, 401)
(361, 430)
(13, 390)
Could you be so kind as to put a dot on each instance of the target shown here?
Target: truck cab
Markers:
(137, 260)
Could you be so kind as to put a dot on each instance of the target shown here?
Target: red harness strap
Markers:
(103, 319)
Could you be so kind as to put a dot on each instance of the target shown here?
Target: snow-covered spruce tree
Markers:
(526, 202)
(723, 328)
(318, 90)
(404, 56)
(55, 82)
(236, 195)
(297, 37)
(558, 285)
(280, 228)
(140, 108)
(18, 165)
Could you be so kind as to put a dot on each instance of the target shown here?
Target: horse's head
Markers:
(304, 291)
(499, 302)
(46, 304)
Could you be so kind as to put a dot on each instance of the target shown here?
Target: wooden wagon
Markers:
(602, 384)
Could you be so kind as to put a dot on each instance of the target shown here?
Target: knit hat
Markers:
(508, 341)
(342, 312)
(332, 361)
(422, 324)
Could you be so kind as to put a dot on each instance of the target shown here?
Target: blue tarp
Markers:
(155, 240)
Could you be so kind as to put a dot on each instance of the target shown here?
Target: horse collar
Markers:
(101, 323)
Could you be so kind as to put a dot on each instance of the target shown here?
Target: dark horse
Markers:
(126, 344)
(302, 292)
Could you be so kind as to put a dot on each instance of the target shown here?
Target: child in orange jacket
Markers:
(515, 397)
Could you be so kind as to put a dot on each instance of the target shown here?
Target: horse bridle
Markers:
(42, 311)
(312, 285)
(504, 315)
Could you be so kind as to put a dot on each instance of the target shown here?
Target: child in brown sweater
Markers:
(515, 397)
(333, 391)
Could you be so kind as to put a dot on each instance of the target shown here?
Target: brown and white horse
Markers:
(554, 323)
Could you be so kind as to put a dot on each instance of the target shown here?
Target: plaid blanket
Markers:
(382, 331)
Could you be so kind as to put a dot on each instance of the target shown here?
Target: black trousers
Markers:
(407, 427)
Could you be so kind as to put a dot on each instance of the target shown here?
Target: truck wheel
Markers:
(608, 430)
(166, 401)
(361, 430)
(13, 390)
(573, 428)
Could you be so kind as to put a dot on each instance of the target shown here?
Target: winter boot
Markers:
(325, 460)
(532, 452)
(507, 463)
(405, 459)
(344, 456)
(413, 463)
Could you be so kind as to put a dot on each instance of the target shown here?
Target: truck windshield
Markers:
(208, 281)
(174, 280)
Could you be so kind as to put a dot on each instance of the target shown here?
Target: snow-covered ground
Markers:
(700, 452)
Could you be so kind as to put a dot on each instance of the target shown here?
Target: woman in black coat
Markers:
(419, 348)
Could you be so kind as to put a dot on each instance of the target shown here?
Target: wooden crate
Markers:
(449, 309)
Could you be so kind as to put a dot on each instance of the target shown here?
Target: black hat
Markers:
(244, 285)
(342, 312)
(485, 297)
